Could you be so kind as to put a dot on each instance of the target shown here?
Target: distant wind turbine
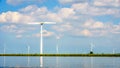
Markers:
(28, 56)
(113, 51)
(41, 37)
(91, 47)
(4, 53)
(57, 46)
(57, 49)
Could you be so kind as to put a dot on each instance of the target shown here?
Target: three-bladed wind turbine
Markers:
(91, 47)
(57, 46)
(41, 37)
(4, 53)
(113, 51)
(28, 54)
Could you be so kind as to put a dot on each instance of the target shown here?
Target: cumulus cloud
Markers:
(19, 36)
(58, 36)
(12, 28)
(63, 27)
(18, 2)
(71, 1)
(85, 8)
(69, 19)
(114, 3)
(111, 3)
(14, 17)
(89, 28)
(93, 24)
(45, 34)
(41, 14)
(66, 12)
(8, 28)
(85, 32)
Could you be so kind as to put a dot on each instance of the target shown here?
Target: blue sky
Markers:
(78, 24)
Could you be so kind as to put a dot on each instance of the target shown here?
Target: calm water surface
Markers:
(61, 62)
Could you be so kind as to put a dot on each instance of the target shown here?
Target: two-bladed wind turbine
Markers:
(41, 36)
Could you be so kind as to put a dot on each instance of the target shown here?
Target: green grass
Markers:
(65, 55)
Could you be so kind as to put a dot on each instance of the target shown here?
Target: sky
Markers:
(79, 23)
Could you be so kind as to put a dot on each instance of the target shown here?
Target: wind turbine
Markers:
(28, 56)
(57, 49)
(91, 47)
(41, 37)
(113, 51)
(4, 53)
(57, 46)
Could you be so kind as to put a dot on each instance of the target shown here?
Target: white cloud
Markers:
(58, 36)
(19, 36)
(63, 27)
(14, 2)
(71, 1)
(18, 2)
(93, 24)
(86, 8)
(53, 17)
(89, 28)
(14, 17)
(45, 34)
(115, 3)
(70, 20)
(16, 29)
(8, 28)
(66, 12)
(29, 8)
(80, 6)
(85, 32)
(66, 1)
(41, 14)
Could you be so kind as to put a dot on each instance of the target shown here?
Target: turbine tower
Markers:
(41, 37)
(4, 53)
(91, 47)
(28, 56)
(57, 46)
(113, 51)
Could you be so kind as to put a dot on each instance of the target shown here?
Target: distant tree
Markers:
(91, 52)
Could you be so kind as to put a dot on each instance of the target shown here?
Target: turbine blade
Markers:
(49, 22)
(41, 23)
(35, 23)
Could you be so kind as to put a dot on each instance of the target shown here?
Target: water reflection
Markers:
(41, 62)
(60, 62)
(57, 62)
(91, 62)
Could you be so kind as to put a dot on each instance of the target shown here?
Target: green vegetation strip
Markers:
(65, 55)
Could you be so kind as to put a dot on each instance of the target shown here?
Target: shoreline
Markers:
(65, 55)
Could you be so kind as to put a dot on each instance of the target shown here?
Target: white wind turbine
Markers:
(28, 56)
(41, 37)
(57, 46)
(91, 47)
(4, 53)
(113, 51)
(57, 49)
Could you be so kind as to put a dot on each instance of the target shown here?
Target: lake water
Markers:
(60, 62)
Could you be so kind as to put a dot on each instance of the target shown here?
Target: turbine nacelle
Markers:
(41, 23)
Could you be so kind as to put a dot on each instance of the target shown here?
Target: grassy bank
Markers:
(65, 55)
